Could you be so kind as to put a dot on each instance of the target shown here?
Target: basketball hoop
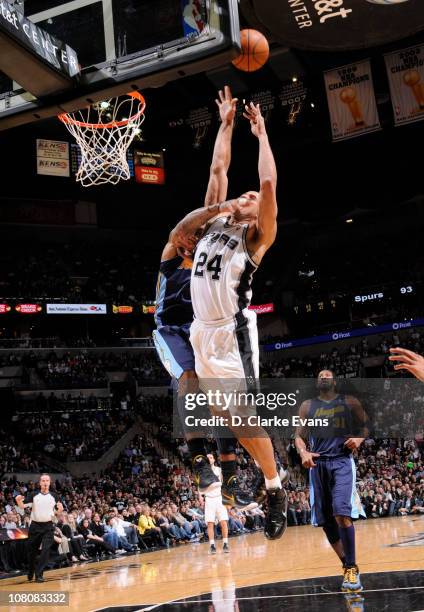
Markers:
(104, 131)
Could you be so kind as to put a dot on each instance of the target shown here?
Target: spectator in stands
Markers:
(77, 546)
(113, 523)
(99, 530)
(97, 542)
(164, 520)
(190, 528)
(147, 527)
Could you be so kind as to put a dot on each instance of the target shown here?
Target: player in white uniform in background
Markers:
(216, 511)
(224, 333)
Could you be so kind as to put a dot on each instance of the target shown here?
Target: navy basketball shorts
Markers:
(173, 346)
(333, 490)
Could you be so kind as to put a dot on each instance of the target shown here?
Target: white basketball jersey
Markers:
(222, 272)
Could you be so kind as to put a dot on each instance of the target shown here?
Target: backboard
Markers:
(123, 45)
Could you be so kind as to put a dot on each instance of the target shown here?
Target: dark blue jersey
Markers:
(173, 299)
(338, 413)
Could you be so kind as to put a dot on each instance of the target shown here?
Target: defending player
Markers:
(174, 315)
(333, 496)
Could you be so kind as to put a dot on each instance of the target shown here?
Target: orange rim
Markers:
(66, 118)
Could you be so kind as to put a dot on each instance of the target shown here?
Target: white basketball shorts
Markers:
(215, 509)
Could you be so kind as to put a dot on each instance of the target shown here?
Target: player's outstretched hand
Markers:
(183, 241)
(408, 360)
(227, 105)
(353, 443)
(308, 459)
(257, 122)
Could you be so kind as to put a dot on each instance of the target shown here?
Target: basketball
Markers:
(254, 51)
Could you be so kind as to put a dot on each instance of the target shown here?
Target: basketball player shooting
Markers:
(332, 471)
(174, 315)
(224, 333)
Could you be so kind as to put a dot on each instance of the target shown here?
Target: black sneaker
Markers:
(204, 477)
(30, 576)
(276, 514)
(212, 549)
(232, 495)
(259, 489)
(226, 548)
(39, 579)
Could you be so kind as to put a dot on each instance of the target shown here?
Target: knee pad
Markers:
(331, 530)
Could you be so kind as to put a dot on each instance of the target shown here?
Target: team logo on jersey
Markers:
(222, 237)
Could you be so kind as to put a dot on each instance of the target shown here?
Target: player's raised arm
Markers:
(221, 159)
(268, 209)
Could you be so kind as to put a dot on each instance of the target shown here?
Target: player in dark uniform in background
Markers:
(174, 315)
(333, 496)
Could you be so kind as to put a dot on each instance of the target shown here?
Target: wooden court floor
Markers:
(383, 545)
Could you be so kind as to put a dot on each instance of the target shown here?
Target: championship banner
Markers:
(53, 157)
(405, 71)
(149, 168)
(79, 309)
(351, 101)
(262, 309)
(292, 97)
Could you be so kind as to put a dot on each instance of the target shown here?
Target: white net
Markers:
(104, 131)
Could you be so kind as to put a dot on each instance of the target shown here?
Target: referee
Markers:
(41, 530)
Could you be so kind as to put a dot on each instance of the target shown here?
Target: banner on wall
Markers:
(351, 101)
(53, 157)
(405, 72)
(149, 168)
(122, 309)
(262, 308)
(4, 308)
(148, 308)
(86, 309)
(28, 308)
(344, 335)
